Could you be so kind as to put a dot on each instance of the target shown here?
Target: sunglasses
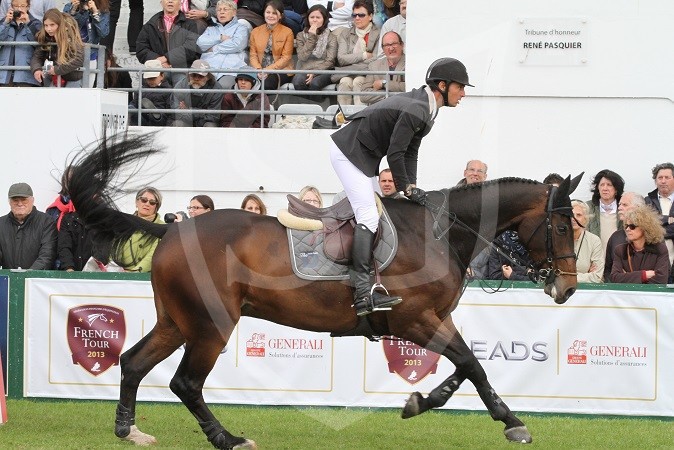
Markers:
(631, 226)
(359, 15)
(196, 208)
(147, 200)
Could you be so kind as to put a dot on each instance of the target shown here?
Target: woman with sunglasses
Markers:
(644, 257)
(356, 48)
(135, 255)
(254, 204)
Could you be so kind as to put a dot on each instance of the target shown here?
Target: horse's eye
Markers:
(562, 229)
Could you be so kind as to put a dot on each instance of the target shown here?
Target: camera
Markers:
(17, 14)
(48, 64)
(171, 217)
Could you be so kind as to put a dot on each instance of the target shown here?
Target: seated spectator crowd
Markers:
(222, 45)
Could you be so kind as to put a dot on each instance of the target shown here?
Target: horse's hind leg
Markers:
(447, 341)
(135, 363)
(188, 382)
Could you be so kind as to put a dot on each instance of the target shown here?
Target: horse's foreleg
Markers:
(187, 384)
(447, 341)
(135, 364)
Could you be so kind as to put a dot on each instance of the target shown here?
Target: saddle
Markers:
(335, 222)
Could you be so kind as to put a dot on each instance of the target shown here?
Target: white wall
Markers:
(530, 113)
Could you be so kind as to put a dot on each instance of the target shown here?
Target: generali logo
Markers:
(96, 335)
(577, 353)
(255, 346)
(409, 361)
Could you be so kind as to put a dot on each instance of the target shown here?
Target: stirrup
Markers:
(375, 301)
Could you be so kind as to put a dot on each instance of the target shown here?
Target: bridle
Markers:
(543, 270)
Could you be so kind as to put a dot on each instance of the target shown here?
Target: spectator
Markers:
(197, 10)
(394, 49)
(475, 172)
(293, 12)
(254, 204)
(316, 50)
(51, 64)
(23, 28)
(662, 200)
(27, 236)
(387, 186)
(156, 95)
(37, 8)
(62, 205)
(355, 50)
(500, 267)
(75, 245)
(397, 23)
(93, 19)
(340, 14)
(245, 101)
(384, 10)
(607, 188)
(199, 204)
(587, 246)
(135, 255)
(554, 179)
(135, 24)
(643, 258)
(249, 12)
(223, 44)
(628, 201)
(115, 79)
(197, 81)
(271, 46)
(311, 195)
(170, 38)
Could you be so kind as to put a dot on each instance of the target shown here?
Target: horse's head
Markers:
(550, 243)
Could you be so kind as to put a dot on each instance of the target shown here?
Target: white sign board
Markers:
(605, 352)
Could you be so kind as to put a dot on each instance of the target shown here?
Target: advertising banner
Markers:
(604, 352)
(4, 328)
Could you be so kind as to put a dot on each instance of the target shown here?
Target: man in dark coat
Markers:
(662, 199)
(27, 236)
(392, 128)
(170, 38)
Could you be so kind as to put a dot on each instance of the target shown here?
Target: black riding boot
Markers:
(364, 301)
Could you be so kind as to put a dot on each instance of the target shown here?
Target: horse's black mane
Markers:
(473, 186)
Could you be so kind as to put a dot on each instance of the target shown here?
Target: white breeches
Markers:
(359, 188)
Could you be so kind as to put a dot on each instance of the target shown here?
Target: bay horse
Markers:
(209, 271)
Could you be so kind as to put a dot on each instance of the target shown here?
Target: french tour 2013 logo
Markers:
(408, 360)
(96, 335)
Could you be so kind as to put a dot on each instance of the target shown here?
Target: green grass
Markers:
(89, 425)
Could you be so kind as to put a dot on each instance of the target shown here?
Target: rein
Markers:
(547, 275)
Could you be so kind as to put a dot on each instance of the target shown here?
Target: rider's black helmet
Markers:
(448, 70)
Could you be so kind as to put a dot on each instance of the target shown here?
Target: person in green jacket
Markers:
(136, 253)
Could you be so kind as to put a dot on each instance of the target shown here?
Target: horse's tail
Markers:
(95, 180)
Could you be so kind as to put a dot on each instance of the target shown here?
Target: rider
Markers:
(393, 128)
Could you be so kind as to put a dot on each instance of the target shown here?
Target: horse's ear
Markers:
(575, 182)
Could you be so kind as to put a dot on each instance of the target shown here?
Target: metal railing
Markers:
(85, 69)
(261, 112)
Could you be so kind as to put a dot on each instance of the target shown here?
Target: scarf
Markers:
(321, 44)
(268, 57)
(361, 44)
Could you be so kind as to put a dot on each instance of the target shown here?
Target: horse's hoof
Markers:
(139, 438)
(248, 445)
(518, 434)
(412, 407)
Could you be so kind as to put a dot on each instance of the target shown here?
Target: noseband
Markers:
(545, 274)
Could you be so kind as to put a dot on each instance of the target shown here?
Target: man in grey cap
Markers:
(27, 236)
(199, 79)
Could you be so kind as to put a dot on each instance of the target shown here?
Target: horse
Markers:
(209, 271)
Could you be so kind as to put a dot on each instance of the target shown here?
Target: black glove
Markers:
(418, 195)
